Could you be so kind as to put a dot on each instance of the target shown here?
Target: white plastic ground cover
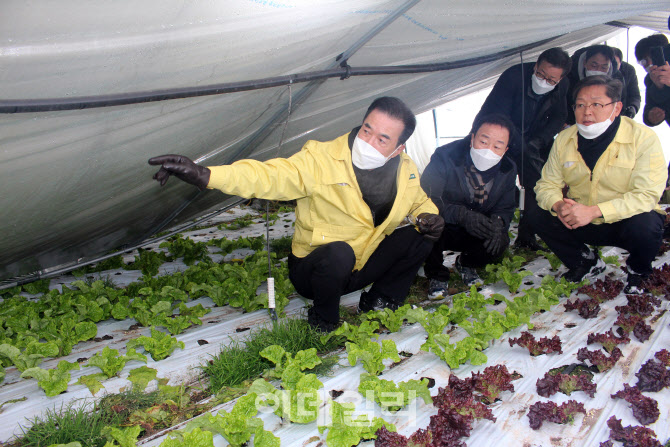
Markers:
(225, 324)
(76, 182)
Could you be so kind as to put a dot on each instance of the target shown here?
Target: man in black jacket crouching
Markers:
(473, 185)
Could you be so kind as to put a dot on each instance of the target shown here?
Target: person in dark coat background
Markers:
(542, 102)
(631, 83)
(600, 60)
(472, 184)
(657, 92)
(657, 82)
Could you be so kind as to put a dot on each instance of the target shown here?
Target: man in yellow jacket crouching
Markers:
(354, 195)
(613, 172)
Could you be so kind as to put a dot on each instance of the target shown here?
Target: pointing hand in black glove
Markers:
(430, 225)
(499, 239)
(183, 168)
(475, 223)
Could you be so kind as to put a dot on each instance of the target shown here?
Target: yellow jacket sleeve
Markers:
(549, 189)
(646, 183)
(275, 179)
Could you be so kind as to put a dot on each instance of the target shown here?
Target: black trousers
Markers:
(456, 238)
(532, 168)
(641, 235)
(327, 272)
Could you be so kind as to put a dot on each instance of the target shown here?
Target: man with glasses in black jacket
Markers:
(542, 104)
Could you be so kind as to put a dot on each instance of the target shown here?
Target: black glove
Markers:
(498, 239)
(475, 223)
(430, 225)
(629, 111)
(183, 168)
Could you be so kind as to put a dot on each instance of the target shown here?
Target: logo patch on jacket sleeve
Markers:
(411, 176)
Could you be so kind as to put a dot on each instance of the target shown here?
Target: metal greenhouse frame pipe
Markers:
(90, 102)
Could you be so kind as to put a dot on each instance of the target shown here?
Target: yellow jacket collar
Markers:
(341, 150)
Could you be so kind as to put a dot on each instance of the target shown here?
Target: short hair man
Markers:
(657, 81)
(544, 110)
(602, 60)
(473, 186)
(614, 171)
(352, 195)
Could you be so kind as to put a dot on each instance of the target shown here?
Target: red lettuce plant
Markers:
(653, 376)
(608, 339)
(658, 282)
(664, 356)
(642, 305)
(544, 345)
(632, 436)
(491, 382)
(602, 290)
(627, 322)
(465, 404)
(599, 358)
(459, 404)
(555, 381)
(645, 409)
(642, 331)
(550, 412)
(445, 430)
(588, 308)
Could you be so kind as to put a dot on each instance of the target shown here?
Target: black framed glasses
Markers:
(596, 106)
(544, 78)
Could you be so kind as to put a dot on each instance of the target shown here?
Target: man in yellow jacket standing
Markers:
(354, 196)
(615, 173)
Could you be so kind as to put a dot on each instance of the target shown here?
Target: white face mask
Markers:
(365, 156)
(540, 86)
(484, 159)
(595, 129)
(595, 73)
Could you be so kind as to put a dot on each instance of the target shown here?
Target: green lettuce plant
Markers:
(372, 354)
(237, 426)
(347, 430)
(160, 345)
(111, 363)
(393, 396)
(52, 381)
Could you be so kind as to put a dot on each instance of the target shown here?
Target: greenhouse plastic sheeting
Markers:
(76, 184)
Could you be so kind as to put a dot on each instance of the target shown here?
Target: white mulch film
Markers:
(511, 428)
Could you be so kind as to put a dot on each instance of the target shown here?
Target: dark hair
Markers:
(397, 109)
(599, 49)
(617, 53)
(643, 45)
(613, 87)
(498, 120)
(556, 57)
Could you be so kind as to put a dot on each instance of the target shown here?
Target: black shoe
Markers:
(634, 284)
(528, 242)
(437, 289)
(369, 302)
(468, 274)
(319, 323)
(590, 267)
